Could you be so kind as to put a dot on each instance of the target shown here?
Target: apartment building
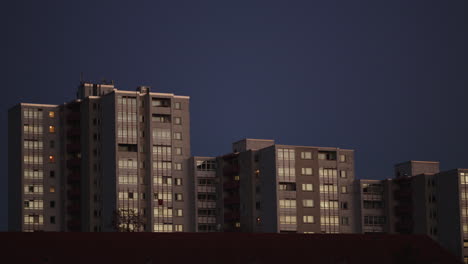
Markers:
(109, 160)
(268, 187)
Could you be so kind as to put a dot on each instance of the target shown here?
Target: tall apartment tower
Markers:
(110, 159)
(268, 187)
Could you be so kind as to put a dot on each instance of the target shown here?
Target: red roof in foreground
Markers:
(146, 248)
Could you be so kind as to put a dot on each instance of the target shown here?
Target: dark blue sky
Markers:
(386, 78)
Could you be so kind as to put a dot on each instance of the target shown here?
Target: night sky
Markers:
(386, 78)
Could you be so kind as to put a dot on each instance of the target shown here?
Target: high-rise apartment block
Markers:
(107, 160)
(115, 160)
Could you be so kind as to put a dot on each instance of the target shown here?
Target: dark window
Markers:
(52, 174)
(52, 144)
(52, 219)
(52, 204)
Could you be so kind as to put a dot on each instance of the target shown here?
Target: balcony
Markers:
(74, 177)
(232, 200)
(234, 215)
(73, 132)
(74, 208)
(74, 147)
(74, 116)
(73, 163)
(403, 210)
(74, 193)
(231, 185)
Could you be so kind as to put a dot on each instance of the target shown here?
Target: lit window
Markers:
(308, 219)
(342, 158)
(306, 155)
(307, 187)
(178, 228)
(236, 178)
(52, 189)
(51, 114)
(307, 203)
(178, 166)
(51, 159)
(178, 151)
(177, 120)
(237, 224)
(178, 197)
(343, 174)
(306, 171)
(287, 203)
(344, 189)
(179, 212)
(177, 135)
(177, 105)
(178, 181)
(51, 129)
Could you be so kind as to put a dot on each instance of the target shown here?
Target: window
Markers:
(285, 154)
(52, 204)
(342, 158)
(52, 174)
(178, 181)
(371, 220)
(343, 174)
(177, 105)
(308, 219)
(463, 178)
(178, 197)
(332, 204)
(287, 186)
(178, 151)
(161, 102)
(206, 165)
(159, 118)
(306, 171)
(178, 166)
(178, 228)
(344, 220)
(52, 189)
(288, 219)
(327, 155)
(177, 120)
(344, 189)
(51, 159)
(324, 172)
(51, 114)
(51, 129)
(177, 135)
(52, 144)
(52, 219)
(307, 187)
(344, 205)
(307, 203)
(306, 155)
(179, 212)
(328, 188)
(287, 203)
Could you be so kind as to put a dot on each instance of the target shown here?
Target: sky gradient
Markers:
(386, 78)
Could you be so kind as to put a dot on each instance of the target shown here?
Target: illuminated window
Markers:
(342, 158)
(178, 181)
(177, 105)
(178, 166)
(179, 212)
(308, 219)
(51, 159)
(178, 228)
(287, 203)
(344, 189)
(51, 129)
(306, 155)
(307, 187)
(178, 197)
(306, 171)
(52, 189)
(307, 203)
(237, 177)
(177, 120)
(237, 224)
(178, 151)
(343, 174)
(51, 114)
(177, 135)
